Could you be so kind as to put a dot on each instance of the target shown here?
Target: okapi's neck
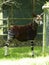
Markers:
(35, 25)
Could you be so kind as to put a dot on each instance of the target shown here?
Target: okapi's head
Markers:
(37, 18)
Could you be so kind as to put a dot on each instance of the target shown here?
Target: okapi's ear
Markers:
(34, 15)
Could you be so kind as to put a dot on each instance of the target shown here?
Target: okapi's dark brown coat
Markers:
(25, 32)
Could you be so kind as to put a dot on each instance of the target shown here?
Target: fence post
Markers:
(46, 28)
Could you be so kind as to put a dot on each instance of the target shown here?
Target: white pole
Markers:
(44, 33)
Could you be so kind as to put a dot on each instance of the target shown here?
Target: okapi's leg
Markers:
(32, 48)
(9, 39)
(6, 47)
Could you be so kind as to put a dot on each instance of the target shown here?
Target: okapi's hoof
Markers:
(32, 55)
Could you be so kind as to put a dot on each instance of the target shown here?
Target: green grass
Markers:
(21, 52)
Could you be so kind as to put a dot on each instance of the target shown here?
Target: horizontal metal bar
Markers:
(17, 19)
(4, 19)
(3, 34)
(39, 33)
(20, 18)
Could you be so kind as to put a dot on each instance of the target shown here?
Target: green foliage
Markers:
(2, 41)
(16, 43)
(0, 1)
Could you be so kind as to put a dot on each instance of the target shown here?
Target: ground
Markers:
(26, 61)
(23, 56)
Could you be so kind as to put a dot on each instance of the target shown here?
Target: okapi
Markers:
(25, 32)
